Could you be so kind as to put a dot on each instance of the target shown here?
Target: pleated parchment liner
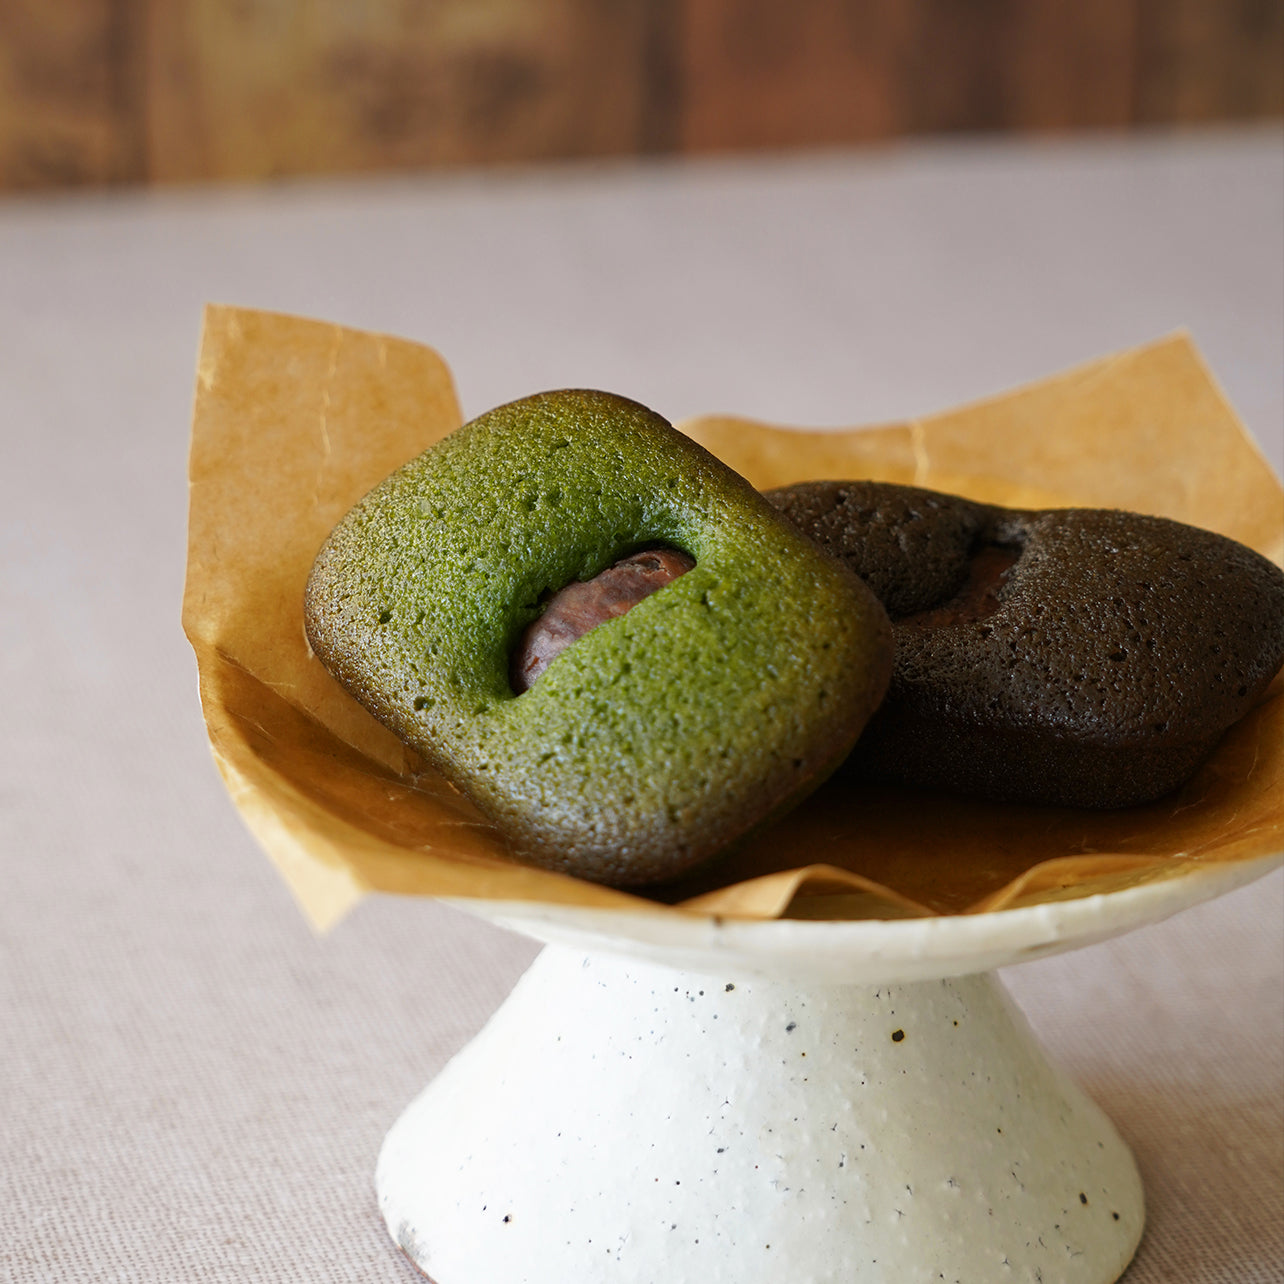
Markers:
(295, 420)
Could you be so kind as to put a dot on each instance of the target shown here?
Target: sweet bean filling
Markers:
(581, 606)
(987, 572)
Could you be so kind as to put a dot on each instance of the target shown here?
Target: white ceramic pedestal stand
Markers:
(682, 1101)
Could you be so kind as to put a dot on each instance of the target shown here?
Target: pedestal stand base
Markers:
(622, 1121)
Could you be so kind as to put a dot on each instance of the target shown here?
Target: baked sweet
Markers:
(662, 735)
(1079, 657)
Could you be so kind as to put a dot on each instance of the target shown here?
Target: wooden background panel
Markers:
(1199, 60)
(266, 87)
(99, 91)
(756, 73)
(69, 85)
(1026, 65)
(759, 73)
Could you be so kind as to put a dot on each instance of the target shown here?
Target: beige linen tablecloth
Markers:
(194, 1086)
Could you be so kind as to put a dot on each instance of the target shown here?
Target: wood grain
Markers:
(761, 74)
(275, 88)
(104, 91)
(69, 93)
(1201, 61)
(1035, 65)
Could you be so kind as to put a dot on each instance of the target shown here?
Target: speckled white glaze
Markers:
(618, 1120)
(638, 1123)
(870, 951)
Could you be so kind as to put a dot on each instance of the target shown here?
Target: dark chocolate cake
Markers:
(1079, 657)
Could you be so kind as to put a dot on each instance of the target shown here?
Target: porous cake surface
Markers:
(1080, 656)
(662, 735)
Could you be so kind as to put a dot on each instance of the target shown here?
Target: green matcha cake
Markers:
(668, 731)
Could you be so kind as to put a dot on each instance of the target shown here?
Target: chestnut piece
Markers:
(584, 604)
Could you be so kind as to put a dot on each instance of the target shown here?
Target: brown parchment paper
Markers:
(295, 420)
